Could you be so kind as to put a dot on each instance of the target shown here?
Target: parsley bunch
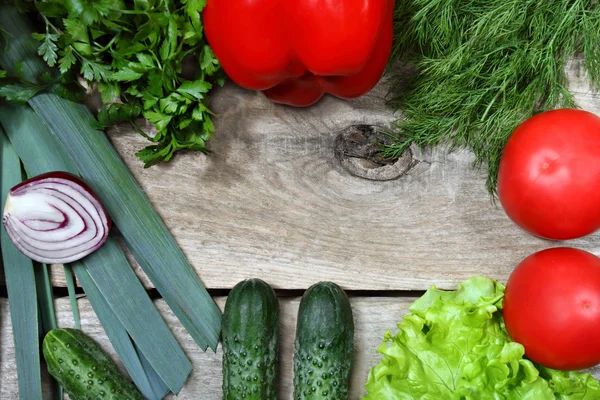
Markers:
(147, 57)
(484, 66)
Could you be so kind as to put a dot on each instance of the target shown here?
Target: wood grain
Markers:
(372, 316)
(9, 389)
(273, 201)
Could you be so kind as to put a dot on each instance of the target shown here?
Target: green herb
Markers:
(16, 89)
(147, 58)
(484, 66)
(19, 93)
(453, 344)
(116, 112)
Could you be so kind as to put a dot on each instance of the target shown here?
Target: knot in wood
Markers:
(358, 150)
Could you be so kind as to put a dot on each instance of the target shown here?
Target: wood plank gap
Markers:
(290, 293)
(60, 292)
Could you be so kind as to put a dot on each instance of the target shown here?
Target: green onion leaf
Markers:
(47, 311)
(21, 287)
(100, 166)
(45, 297)
(144, 376)
(108, 270)
(72, 295)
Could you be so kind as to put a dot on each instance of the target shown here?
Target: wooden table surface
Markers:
(279, 199)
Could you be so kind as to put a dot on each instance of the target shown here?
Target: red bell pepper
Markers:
(297, 50)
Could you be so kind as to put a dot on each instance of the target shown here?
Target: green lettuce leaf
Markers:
(453, 345)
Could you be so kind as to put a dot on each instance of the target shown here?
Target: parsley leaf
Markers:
(196, 89)
(84, 10)
(79, 36)
(115, 113)
(169, 46)
(70, 91)
(125, 75)
(159, 120)
(93, 71)
(48, 47)
(208, 61)
(109, 91)
(147, 58)
(67, 59)
(19, 92)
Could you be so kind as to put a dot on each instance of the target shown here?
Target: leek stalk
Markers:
(118, 298)
(98, 163)
(21, 287)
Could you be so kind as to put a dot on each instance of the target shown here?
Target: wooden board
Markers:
(274, 201)
(372, 316)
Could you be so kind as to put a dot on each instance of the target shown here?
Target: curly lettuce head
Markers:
(453, 345)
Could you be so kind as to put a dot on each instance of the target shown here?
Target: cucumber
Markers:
(250, 330)
(324, 344)
(83, 369)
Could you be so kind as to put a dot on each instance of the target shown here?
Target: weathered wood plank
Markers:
(9, 389)
(272, 200)
(372, 316)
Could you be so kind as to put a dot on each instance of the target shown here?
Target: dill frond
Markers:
(484, 66)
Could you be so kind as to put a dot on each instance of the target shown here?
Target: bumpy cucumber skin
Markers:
(83, 369)
(324, 344)
(250, 331)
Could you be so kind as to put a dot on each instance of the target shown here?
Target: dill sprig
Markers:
(484, 66)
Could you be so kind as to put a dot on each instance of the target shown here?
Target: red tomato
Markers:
(549, 177)
(552, 307)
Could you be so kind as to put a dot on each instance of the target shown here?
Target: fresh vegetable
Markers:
(114, 291)
(485, 66)
(83, 369)
(48, 321)
(549, 176)
(297, 50)
(324, 344)
(19, 277)
(148, 58)
(552, 307)
(453, 345)
(97, 162)
(250, 342)
(55, 218)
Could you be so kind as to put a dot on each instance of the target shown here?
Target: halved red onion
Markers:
(55, 218)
